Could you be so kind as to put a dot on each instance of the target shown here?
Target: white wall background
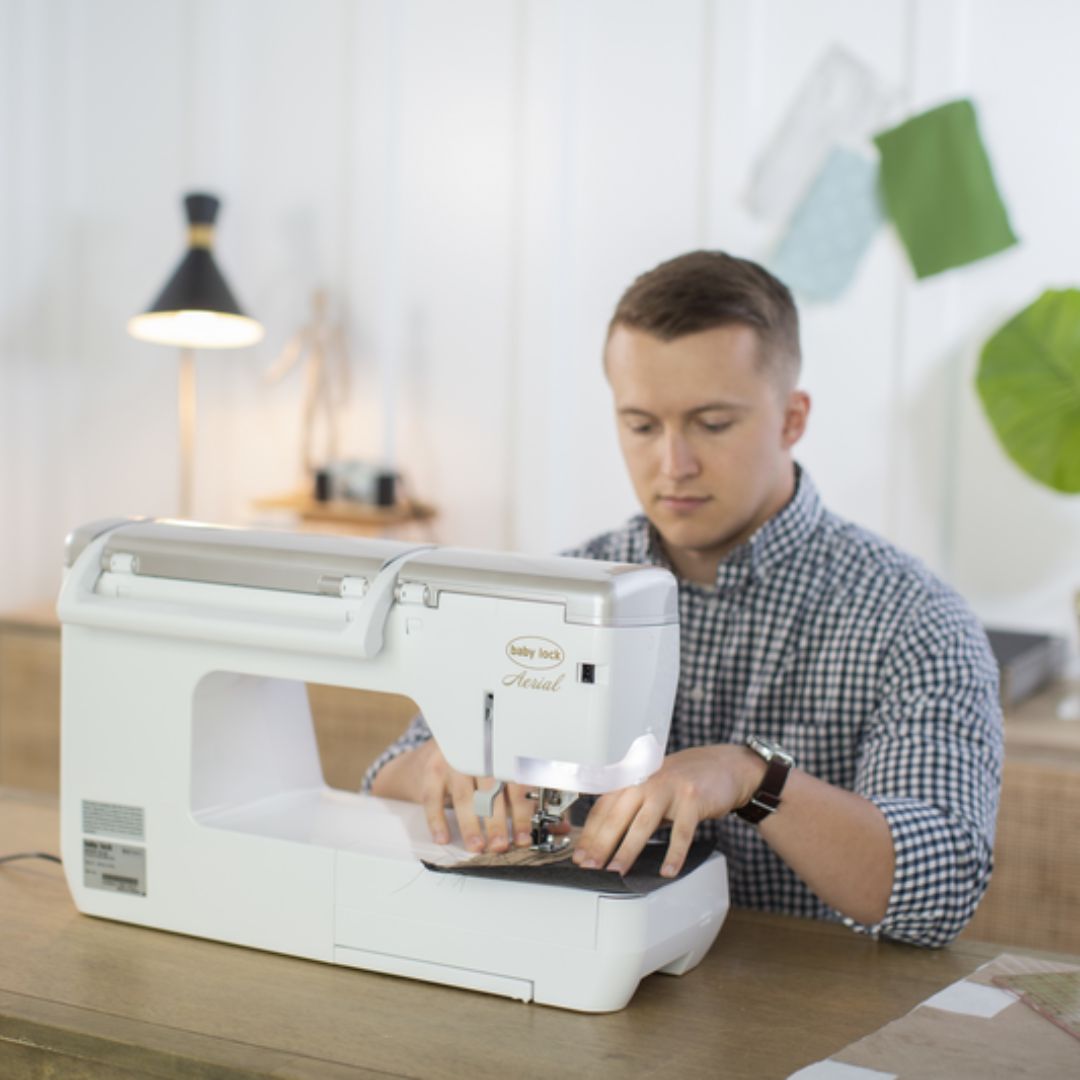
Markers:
(476, 182)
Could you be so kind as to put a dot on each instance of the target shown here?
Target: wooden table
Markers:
(30, 698)
(89, 998)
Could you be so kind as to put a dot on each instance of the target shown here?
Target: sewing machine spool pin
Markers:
(552, 804)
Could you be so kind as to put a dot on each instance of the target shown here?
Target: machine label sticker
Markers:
(114, 867)
(113, 819)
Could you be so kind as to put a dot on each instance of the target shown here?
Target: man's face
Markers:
(706, 434)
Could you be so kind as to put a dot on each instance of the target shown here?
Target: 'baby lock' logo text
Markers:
(534, 654)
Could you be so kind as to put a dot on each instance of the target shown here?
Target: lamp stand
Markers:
(187, 428)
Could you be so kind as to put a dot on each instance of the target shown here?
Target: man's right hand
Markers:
(424, 776)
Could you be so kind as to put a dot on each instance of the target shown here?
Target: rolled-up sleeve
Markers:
(416, 734)
(931, 762)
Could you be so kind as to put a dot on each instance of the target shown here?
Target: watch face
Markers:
(769, 750)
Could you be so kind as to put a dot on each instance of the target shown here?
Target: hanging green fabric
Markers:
(939, 190)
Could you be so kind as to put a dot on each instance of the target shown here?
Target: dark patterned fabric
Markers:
(872, 673)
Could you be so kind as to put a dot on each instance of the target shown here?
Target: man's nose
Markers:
(679, 460)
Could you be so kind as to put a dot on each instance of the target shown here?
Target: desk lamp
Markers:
(196, 310)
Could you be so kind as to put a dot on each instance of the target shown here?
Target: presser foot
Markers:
(552, 804)
(543, 840)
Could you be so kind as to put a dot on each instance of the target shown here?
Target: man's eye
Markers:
(640, 429)
(716, 428)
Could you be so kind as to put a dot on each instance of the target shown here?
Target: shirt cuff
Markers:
(416, 734)
(938, 878)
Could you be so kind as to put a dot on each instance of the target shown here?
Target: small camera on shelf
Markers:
(357, 481)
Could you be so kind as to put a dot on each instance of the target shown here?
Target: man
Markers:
(803, 636)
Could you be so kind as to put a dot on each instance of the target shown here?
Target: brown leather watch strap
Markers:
(767, 797)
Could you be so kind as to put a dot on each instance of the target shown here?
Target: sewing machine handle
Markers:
(355, 627)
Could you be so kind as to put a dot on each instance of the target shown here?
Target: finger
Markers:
(612, 821)
(594, 821)
(433, 799)
(682, 836)
(461, 794)
(521, 812)
(597, 815)
(495, 826)
(433, 796)
(645, 823)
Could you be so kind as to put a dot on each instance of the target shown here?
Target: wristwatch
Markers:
(766, 800)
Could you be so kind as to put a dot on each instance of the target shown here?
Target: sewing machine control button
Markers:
(593, 674)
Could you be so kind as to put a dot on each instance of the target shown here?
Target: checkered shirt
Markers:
(872, 673)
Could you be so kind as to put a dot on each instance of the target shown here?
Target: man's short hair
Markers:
(706, 289)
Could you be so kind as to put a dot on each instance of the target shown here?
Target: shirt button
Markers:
(697, 694)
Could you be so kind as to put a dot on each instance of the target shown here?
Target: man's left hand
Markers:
(691, 786)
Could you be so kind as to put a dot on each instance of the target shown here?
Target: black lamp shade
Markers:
(197, 309)
(197, 285)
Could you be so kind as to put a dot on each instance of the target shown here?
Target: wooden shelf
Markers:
(345, 511)
(407, 520)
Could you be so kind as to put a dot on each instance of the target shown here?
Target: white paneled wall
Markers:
(476, 182)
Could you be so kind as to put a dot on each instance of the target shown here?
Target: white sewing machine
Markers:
(192, 794)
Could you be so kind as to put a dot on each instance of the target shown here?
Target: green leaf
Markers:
(1029, 384)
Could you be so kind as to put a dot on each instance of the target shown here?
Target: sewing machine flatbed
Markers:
(549, 944)
(192, 795)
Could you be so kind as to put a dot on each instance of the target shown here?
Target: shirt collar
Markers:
(775, 542)
(786, 532)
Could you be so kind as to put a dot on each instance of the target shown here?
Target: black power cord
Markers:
(30, 855)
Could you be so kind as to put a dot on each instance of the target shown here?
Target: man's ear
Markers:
(796, 412)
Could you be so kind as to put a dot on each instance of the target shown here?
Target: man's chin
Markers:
(690, 536)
